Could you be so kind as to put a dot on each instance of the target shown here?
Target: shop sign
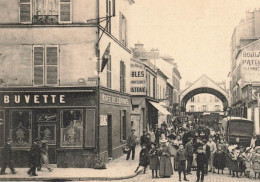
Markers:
(103, 120)
(250, 66)
(137, 79)
(114, 99)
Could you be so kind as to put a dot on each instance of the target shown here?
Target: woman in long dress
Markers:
(165, 161)
(256, 161)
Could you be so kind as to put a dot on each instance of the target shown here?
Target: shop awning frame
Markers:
(160, 108)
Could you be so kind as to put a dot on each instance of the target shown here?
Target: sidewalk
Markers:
(117, 169)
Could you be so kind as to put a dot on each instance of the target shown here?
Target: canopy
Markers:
(160, 108)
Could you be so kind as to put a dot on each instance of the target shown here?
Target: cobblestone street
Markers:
(209, 178)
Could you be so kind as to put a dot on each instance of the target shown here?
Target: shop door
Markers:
(45, 124)
(109, 135)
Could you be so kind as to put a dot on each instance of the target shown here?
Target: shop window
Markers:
(45, 11)
(71, 128)
(123, 125)
(45, 65)
(122, 77)
(2, 122)
(109, 77)
(21, 132)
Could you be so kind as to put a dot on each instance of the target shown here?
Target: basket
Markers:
(125, 149)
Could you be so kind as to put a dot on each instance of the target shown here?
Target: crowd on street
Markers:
(197, 145)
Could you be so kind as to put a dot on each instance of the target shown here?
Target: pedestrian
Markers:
(154, 160)
(219, 161)
(189, 154)
(213, 149)
(143, 158)
(157, 132)
(44, 155)
(242, 161)
(143, 138)
(7, 157)
(33, 159)
(206, 150)
(152, 137)
(248, 159)
(165, 160)
(201, 162)
(233, 162)
(131, 143)
(256, 161)
(181, 159)
(148, 142)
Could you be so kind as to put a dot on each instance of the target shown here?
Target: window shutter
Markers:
(90, 128)
(25, 11)
(124, 86)
(38, 65)
(52, 65)
(121, 76)
(65, 11)
(109, 73)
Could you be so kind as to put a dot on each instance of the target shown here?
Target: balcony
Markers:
(45, 19)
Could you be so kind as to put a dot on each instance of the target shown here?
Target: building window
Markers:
(71, 128)
(109, 76)
(45, 11)
(154, 87)
(2, 131)
(110, 6)
(21, 129)
(192, 99)
(204, 107)
(122, 77)
(192, 108)
(123, 125)
(198, 99)
(217, 108)
(216, 99)
(123, 29)
(45, 65)
(210, 98)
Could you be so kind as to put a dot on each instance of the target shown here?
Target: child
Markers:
(143, 158)
(256, 161)
(219, 160)
(241, 161)
(154, 160)
(248, 157)
(181, 159)
(201, 162)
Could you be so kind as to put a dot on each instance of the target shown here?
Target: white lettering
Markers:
(17, 99)
(36, 99)
(27, 98)
(45, 98)
(53, 98)
(6, 99)
(62, 100)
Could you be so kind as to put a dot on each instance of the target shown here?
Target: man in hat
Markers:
(181, 159)
(131, 143)
(189, 154)
(213, 148)
(201, 162)
(157, 133)
(143, 138)
(7, 157)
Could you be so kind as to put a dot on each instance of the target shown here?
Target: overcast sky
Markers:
(196, 33)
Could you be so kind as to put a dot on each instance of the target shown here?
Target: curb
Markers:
(71, 178)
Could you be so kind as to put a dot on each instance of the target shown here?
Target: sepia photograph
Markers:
(130, 90)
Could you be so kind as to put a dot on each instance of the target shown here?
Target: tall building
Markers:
(245, 68)
(63, 78)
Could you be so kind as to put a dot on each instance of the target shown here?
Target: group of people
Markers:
(38, 156)
(194, 145)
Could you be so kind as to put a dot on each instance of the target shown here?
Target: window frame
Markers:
(45, 64)
(109, 72)
(31, 9)
(122, 77)
(61, 125)
(70, 3)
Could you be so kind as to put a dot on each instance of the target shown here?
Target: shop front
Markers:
(64, 117)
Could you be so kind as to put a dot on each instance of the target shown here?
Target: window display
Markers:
(21, 132)
(72, 128)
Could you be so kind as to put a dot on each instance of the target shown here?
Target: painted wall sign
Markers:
(250, 66)
(108, 98)
(137, 79)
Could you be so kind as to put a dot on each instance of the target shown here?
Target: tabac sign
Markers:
(137, 79)
(250, 65)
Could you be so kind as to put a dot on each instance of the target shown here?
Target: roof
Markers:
(236, 118)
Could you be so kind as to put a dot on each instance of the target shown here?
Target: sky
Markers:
(196, 33)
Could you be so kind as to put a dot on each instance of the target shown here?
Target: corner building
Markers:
(51, 84)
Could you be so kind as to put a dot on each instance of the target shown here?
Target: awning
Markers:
(160, 108)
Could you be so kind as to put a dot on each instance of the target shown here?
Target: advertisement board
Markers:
(250, 66)
(137, 79)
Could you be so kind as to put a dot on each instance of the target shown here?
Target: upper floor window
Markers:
(123, 29)
(192, 99)
(45, 11)
(216, 99)
(45, 65)
(109, 81)
(110, 6)
(122, 77)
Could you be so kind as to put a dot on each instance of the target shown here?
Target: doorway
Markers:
(109, 136)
